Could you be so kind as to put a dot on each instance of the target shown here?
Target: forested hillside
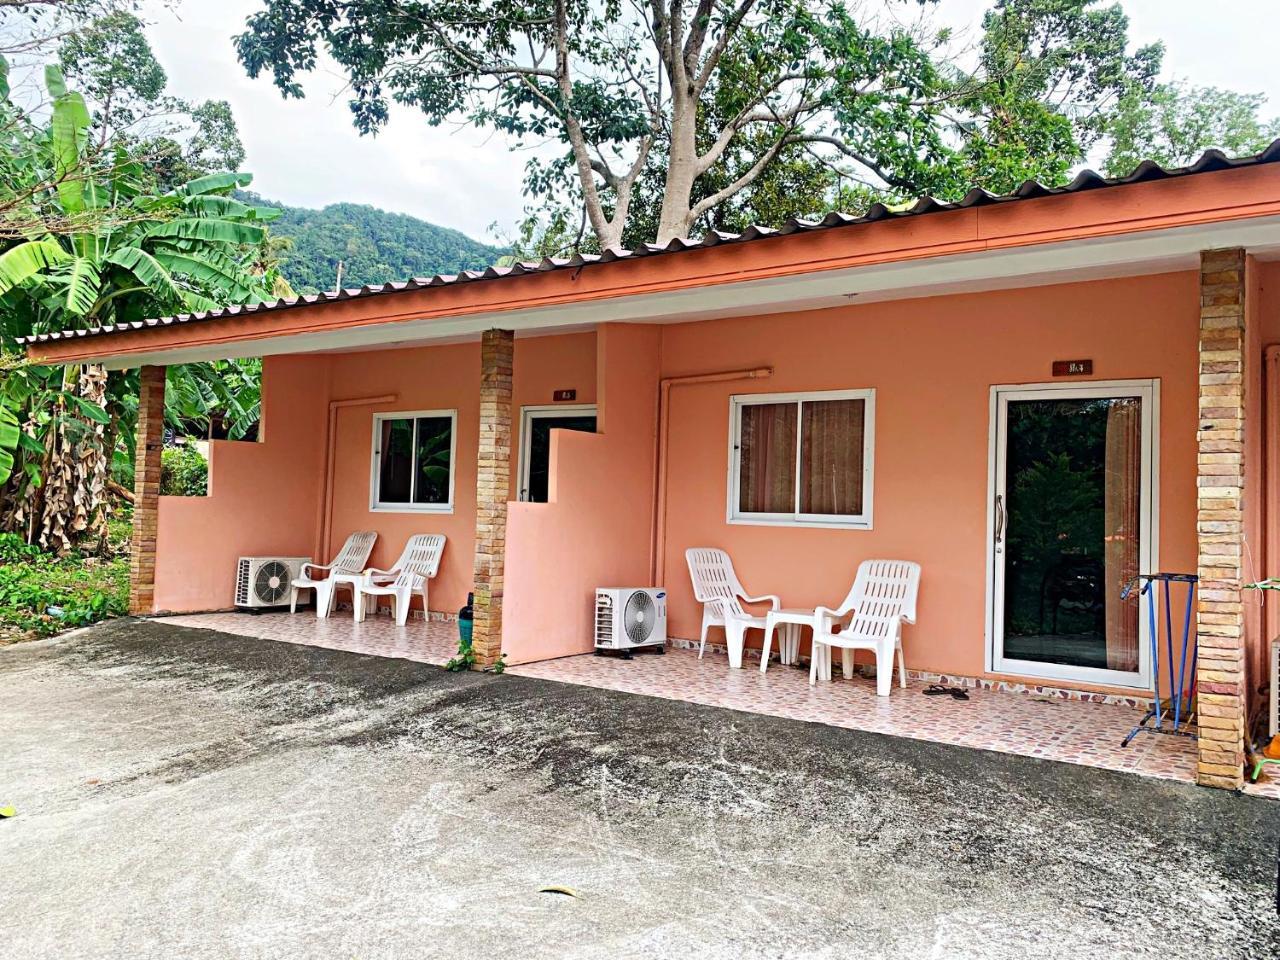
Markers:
(373, 245)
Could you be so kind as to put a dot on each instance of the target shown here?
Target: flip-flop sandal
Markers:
(940, 690)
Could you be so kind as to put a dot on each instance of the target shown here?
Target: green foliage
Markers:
(13, 549)
(374, 246)
(1176, 122)
(41, 594)
(222, 398)
(42, 399)
(1043, 62)
(122, 253)
(10, 437)
(116, 208)
(678, 116)
(184, 472)
(103, 248)
(465, 660)
(111, 61)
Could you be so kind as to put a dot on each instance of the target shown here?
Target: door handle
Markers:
(1000, 519)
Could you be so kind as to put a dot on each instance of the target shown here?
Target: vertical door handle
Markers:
(1000, 519)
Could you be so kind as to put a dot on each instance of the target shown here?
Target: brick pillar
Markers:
(146, 490)
(493, 487)
(1220, 674)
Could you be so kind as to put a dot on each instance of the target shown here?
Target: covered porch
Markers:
(921, 323)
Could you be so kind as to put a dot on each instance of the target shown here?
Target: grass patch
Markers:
(42, 594)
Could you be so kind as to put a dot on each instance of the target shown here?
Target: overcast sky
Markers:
(306, 153)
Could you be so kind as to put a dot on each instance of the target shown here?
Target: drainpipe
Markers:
(331, 439)
(658, 542)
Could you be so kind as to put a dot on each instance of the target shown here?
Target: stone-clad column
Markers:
(493, 487)
(146, 490)
(1220, 519)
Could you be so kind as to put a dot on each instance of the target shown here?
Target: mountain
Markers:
(373, 245)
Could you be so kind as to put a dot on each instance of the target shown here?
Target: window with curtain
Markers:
(413, 461)
(802, 458)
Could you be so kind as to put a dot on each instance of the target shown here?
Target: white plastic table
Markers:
(790, 619)
(352, 581)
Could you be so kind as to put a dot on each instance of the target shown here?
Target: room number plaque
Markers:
(1072, 368)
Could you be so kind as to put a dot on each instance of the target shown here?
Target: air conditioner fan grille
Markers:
(271, 582)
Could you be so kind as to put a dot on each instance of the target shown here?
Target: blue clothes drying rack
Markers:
(1176, 717)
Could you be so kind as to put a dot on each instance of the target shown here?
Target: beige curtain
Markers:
(1122, 516)
(831, 457)
(767, 471)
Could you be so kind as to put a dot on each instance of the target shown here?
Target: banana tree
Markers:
(123, 253)
(221, 396)
(99, 248)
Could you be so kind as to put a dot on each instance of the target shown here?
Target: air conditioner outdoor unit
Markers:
(631, 617)
(264, 581)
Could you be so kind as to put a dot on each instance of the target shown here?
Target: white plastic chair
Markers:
(717, 588)
(883, 598)
(350, 559)
(417, 565)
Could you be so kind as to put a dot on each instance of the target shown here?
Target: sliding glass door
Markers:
(1072, 521)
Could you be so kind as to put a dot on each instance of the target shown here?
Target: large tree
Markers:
(110, 61)
(675, 112)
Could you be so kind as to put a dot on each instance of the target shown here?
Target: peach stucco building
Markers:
(1083, 377)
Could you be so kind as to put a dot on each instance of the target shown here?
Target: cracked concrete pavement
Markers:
(183, 793)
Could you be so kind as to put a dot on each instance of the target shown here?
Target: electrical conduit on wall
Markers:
(658, 542)
(330, 441)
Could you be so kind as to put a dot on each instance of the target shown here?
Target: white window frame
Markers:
(860, 521)
(375, 504)
(544, 411)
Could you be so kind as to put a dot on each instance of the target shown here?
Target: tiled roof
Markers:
(1211, 160)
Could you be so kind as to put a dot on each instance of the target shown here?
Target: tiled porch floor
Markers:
(435, 641)
(1053, 729)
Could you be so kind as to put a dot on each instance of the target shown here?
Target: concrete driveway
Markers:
(183, 793)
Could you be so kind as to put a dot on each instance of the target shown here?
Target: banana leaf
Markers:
(81, 284)
(146, 268)
(69, 129)
(10, 434)
(214, 183)
(204, 271)
(214, 231)
(26, 260)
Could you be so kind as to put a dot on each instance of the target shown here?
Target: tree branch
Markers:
(577, 139)
(752, 174)
(789, 117)
(852, 154)
(698, 28)
(730, 30)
